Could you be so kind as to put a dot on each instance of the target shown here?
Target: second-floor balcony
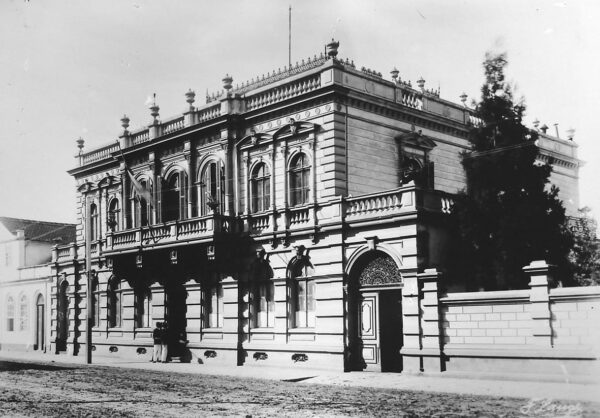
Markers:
(385, 207)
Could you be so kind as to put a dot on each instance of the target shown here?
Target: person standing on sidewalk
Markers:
(164, 342)
(157, 337)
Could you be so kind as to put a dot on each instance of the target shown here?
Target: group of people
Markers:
(161, 342)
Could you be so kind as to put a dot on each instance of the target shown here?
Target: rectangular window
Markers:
(264, 305)
(143, 304)
(214, 307)
(304, 303)
(10, 326)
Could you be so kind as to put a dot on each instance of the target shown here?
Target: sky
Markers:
(73, 68)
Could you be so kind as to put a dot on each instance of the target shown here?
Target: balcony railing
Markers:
(170, 232)
(380, 204)
(381, 207)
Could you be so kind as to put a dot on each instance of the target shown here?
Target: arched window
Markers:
(213, 305)
(94, 222)
(10, 314)
(262, 295)
(141, 208)
(212, 188)
(299, 180)
(302, 295)
(174, 199)
(115, 306)
(143, 307)
(114, 215)
(260, 188)
(95, 302)
(23, 313)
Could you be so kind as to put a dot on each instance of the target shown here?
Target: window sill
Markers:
(212, 330)
(116, 329)
(306, 330)
(262, 330)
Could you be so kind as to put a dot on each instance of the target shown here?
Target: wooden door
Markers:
(368, 327)
(380, 330)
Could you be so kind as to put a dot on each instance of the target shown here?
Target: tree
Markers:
(585, 253)
(508, 215)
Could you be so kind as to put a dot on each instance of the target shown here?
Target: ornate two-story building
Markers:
(287, 222)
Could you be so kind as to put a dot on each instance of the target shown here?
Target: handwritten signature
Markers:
(549, 408)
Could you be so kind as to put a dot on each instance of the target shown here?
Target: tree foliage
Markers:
(585, 253)
(508, 215)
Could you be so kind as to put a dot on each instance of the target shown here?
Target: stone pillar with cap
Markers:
(430, 320)
(539, 299)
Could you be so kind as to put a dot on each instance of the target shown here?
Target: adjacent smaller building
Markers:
(25, 280)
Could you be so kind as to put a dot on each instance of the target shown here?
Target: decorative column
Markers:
(539, 298)
(126, 221)
(411, 328)
(430, 320)
(284, 215)
(188, 171)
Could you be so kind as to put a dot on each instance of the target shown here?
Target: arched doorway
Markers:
(375, 314)
(62, 324)
(40, 324)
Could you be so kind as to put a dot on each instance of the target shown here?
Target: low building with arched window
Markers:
(288, 221)
(25, 280)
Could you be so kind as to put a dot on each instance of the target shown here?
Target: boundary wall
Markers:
(540, 330)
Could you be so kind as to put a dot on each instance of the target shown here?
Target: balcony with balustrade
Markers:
(389, 206)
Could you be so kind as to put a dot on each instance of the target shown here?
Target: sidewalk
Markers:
(500, 385)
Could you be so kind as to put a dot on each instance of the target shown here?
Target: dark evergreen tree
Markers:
(508, 215)
(585, 253)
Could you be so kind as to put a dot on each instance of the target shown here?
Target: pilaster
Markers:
(411, 327)
(430, 320)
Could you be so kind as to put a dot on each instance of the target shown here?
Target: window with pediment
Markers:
(299, 175)
(115, 305)
(94, 234)
(302, 294)
(212, 188)
(114, 215)
(260, 183)
(262, 291)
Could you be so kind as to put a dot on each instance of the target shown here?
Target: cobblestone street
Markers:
(39, 389)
